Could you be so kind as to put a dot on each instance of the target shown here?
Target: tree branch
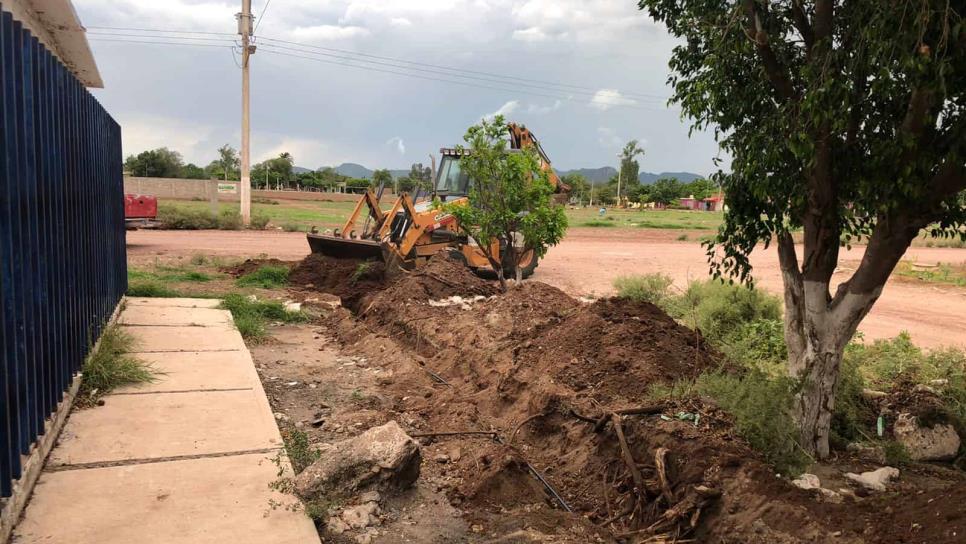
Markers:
(794, 296)
(777, 74)
(801, 23)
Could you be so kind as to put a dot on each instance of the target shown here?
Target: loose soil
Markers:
(441, 351)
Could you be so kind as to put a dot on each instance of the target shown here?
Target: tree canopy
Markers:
(846, 119)
(156, 163)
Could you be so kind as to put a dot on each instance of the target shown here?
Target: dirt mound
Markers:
(444, 275)
(617, 348)
(349, 279)
(251, 265)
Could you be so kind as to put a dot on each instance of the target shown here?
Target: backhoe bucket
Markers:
(344, 248)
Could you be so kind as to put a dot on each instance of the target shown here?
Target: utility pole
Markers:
(245, 29)
(620, 174)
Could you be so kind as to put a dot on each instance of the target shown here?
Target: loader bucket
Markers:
(342, 248)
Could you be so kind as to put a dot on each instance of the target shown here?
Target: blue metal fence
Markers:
(62, 248)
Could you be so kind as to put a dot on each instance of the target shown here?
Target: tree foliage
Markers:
(228, 161)
(846, 119)
(630, 170)
(510, 199)
(665, 191)
(156, 163)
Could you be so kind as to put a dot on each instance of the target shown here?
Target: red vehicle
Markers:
(140, 211)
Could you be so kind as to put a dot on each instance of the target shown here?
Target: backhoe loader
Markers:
(412, 230)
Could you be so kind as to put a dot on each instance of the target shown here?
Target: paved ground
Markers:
(589, 259)
(186, 459)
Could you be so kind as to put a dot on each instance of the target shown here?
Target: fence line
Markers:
(62, 248)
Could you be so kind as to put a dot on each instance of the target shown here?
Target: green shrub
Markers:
(111, 366)
(292, 227)
(199, 259)
(758, 344)
(266, 277)
(761, 406)
(259, 221)
(229, 219)
(719, 308)
(173, 217)
(653, 288)
(597, 223)
(683, 238)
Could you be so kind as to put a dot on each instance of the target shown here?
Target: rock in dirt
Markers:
(938, 443)
(875, 480)
(361, 516)
(807, 481)
(384, 457)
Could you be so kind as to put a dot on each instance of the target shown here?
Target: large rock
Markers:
(383, 457)
(938, 443)
(875, 480)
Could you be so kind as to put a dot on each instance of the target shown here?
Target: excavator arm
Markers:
(522, 138)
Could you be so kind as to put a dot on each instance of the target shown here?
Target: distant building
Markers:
(714, 203)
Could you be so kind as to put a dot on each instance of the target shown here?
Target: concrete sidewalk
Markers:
(187, 459)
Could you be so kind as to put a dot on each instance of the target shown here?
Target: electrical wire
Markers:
(594, 94)
(457, 70)
(160, 30)
(123, 35)
(258, 21)
(488, 77)
(227, 44)
(271, 50)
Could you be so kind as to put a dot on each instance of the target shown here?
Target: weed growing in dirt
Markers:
(251, 317)
(292, 227)
(300, 453)
(199, 259)
(266, 277)
(653, 288)
(683, 238)
(361, 271)
(111, 366)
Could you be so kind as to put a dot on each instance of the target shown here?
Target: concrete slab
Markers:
(171, 316)
(167, 339)
(198, 501)
(197, 370)
(162, 425)
(174, 302)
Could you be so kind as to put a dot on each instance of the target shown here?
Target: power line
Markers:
(258, 21)
(227, 45)
(463, 70)
(270, 49)
(159, 30)
(447, 71)
(127, 35)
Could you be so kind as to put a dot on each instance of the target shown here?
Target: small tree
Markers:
(382, 178)
(509, 200)
(665, 191)
(846, 119)
(227, 160)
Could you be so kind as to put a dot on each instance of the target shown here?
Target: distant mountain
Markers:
(596, 175)
(300, 170)
(600, 175)
(354, 170)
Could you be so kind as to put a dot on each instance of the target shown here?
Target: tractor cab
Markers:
(451, 182)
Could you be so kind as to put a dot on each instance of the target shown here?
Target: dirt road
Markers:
(589, 259)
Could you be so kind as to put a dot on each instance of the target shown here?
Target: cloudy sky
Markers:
(584, 75)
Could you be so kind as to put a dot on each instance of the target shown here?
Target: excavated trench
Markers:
(574, 450)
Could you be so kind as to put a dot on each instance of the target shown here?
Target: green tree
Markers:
(156, 163)
(700, 188)
(845, 119)
(665, 191)
(510, 200)
(382, 178)
(227, 161)
(193, 171)
(630, 170)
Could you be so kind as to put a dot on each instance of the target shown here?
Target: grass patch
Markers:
(111, 366)
(266, 277)
(292, 227)
(151, 289)
(252, 316)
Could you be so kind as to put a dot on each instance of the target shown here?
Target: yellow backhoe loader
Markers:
(412, 231)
